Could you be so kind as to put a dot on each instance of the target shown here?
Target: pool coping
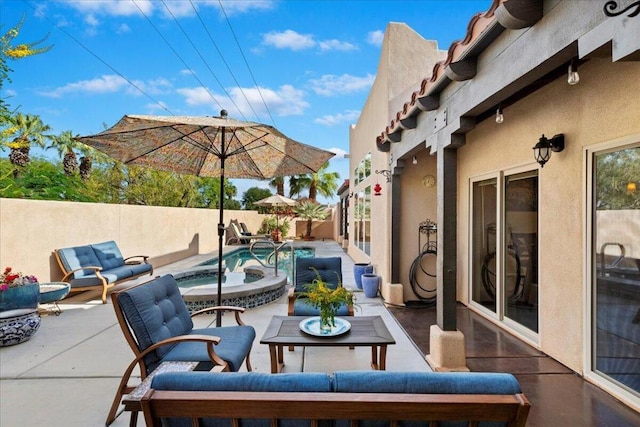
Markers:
(248, 295)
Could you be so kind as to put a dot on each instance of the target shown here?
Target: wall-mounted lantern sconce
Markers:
(415, 160)
(351, 195)
(573, 77)
(631, 187)
(386, 173)
(377, 189)
(544, 147)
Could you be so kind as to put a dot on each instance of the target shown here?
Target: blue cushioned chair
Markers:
(158, 327)
(307, 269)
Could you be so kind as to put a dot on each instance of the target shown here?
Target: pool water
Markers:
(229, 279)
(237, 260)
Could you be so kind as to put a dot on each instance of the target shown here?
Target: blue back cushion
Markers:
(242, 381)
(425, 382)
(330, 270)
(108, 254)
(76, 257)
(155, 311)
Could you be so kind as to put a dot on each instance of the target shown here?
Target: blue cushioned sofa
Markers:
(369, 398)
(99, 264)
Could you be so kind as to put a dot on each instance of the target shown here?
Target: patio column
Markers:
(447, 352)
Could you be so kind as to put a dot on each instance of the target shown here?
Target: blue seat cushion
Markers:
(235, 344)
(301, 307)
(139, 269)
(108, 254)
(329, 269)
(113, 275)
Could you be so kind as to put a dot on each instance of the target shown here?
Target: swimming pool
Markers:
(246, 283)
(241, 258)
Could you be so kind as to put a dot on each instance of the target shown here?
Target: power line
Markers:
(225, 62)
(203, 60)
(177, 54)
(246, 63)
(98, 58)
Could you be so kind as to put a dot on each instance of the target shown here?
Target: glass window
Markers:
(615, 260)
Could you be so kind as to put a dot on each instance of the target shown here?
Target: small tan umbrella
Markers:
(275, 201)
(208, 146)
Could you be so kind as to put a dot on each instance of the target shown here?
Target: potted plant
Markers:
(19, 298)
(310, 210)
(327, 299)
(18, 290)
(277, 227)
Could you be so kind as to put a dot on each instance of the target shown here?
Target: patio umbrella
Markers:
(209, 147)
(275, 201)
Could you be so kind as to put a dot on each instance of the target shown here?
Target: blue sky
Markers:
(303, 66)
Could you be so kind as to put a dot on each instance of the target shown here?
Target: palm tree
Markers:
(28, 129)
(310, 210)
(278, 184)
(65, 144)
(321, 182)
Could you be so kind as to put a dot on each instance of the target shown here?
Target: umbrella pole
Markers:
(220, 234)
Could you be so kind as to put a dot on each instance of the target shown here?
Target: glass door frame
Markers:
(500, 315)
(589, 154)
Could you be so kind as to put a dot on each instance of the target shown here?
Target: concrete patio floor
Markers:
(68, 372)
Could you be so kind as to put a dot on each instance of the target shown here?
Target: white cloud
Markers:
(104, 84)
(113, 7)
(331, 85)
(375, 37)
(10, 92)
(123, 29)
(288, 39)
(348, 116)
(110, 83)
(186, 72)
(334, 44)
(286, 101)
(91, 20)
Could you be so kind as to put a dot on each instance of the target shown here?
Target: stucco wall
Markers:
(407, 57)
(30, 230)
(585, 119)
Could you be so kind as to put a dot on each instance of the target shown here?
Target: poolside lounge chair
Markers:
(235, 236)
(158, 327)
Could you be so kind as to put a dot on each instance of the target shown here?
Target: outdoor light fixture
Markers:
(499, 115)
(377, 189)
(573, 77)
(415, 160)
(386, 173)
(544, 147)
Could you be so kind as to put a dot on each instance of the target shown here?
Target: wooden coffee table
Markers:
(366, 331)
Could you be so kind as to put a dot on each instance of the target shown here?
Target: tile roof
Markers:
(458, 50)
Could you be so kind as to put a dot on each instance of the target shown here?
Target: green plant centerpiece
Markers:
(327, 299)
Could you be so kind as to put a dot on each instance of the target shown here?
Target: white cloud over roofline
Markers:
(349, 116)
(333, 85)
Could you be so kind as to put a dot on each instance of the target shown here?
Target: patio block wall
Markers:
(31, 229)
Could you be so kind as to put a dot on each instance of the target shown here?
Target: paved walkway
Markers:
(67, 373)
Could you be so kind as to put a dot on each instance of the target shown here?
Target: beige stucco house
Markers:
(546, 247)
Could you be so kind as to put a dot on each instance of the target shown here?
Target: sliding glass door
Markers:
(504, 254)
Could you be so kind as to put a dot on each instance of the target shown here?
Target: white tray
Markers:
(311, 326)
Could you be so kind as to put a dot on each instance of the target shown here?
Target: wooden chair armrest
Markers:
(223, 308)
(291, 299)
(145, 259)
(95, 269)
